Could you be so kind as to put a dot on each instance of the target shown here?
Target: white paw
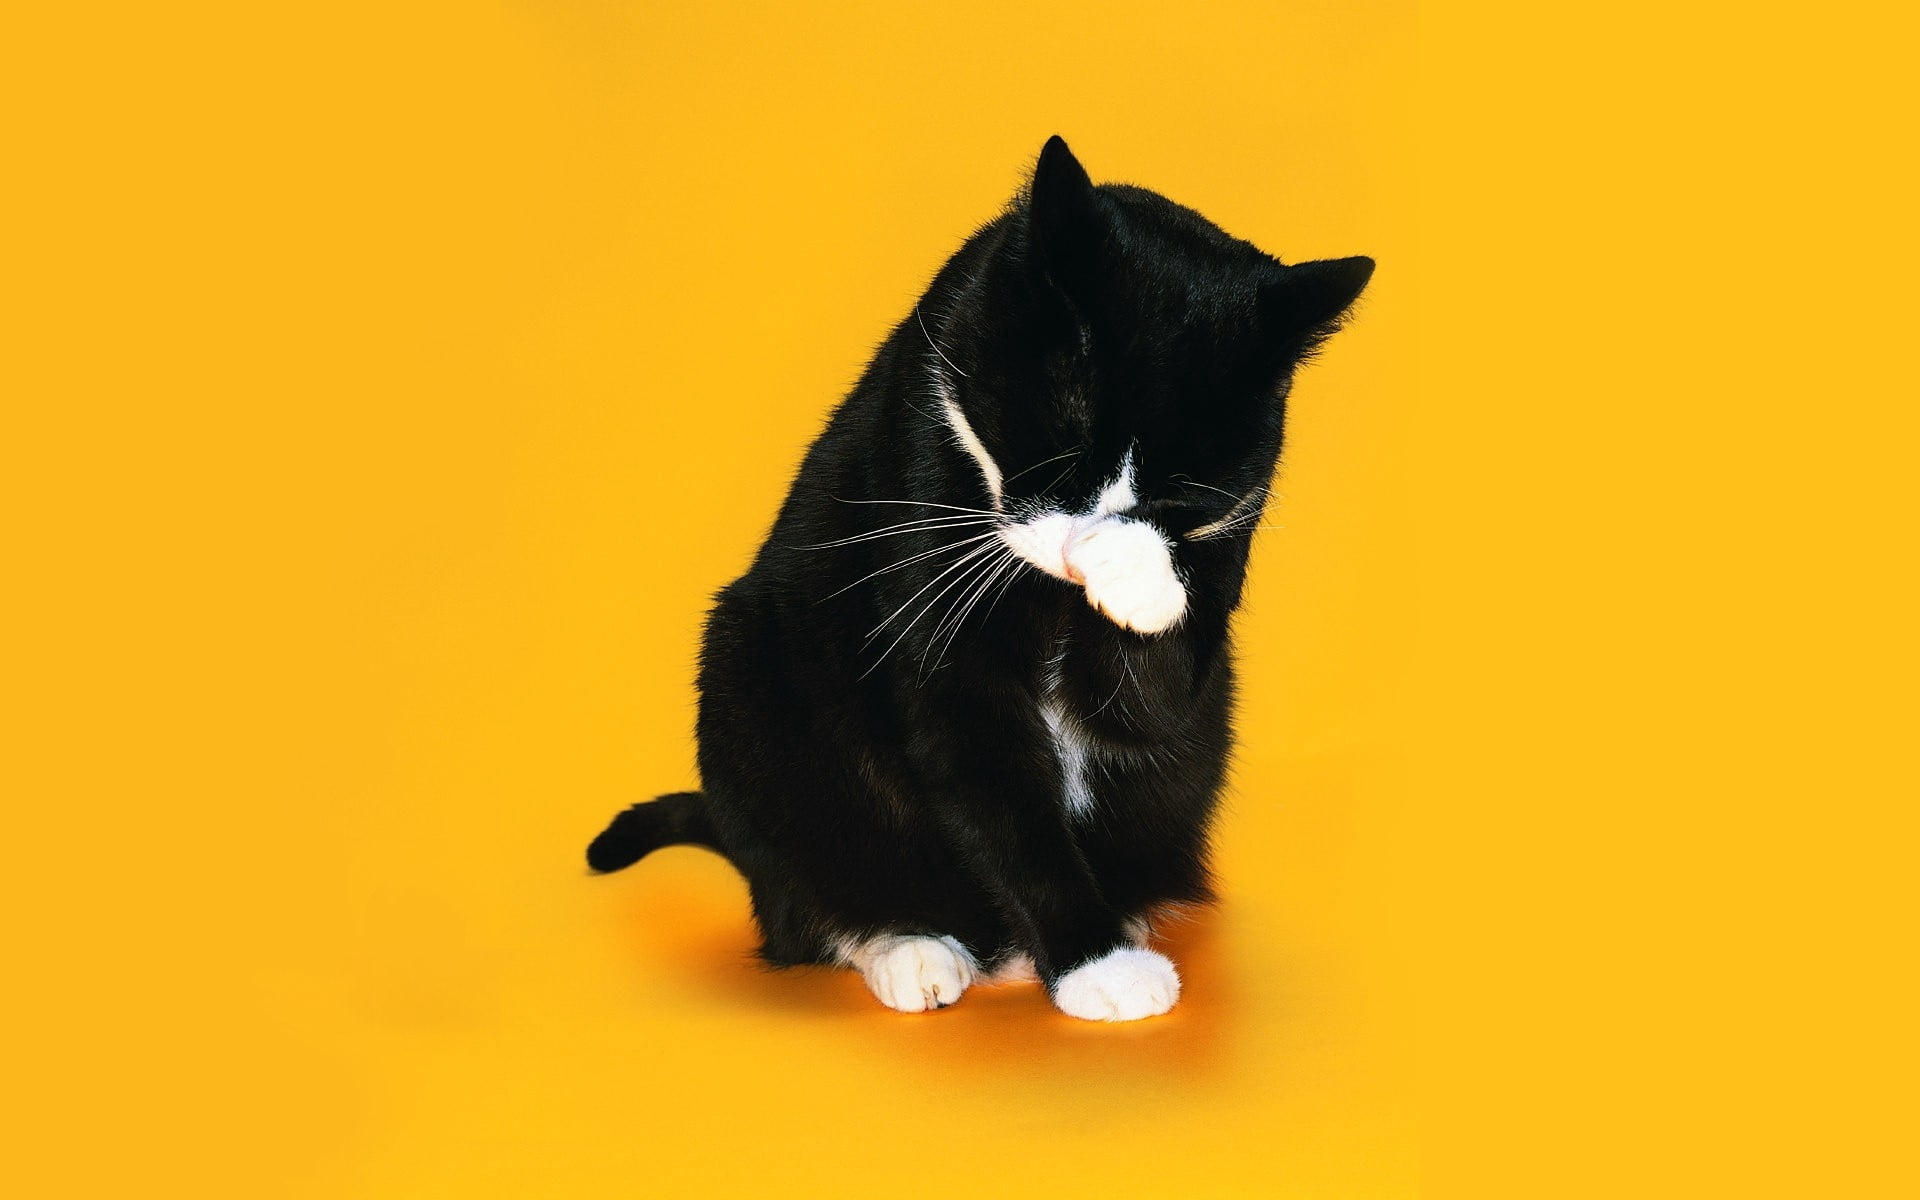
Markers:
(1126, 985)
(1127, 570)
(915, 974)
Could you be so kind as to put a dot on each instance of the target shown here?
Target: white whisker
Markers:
(1043, 462)
(936, 345)
(1055, 482)
(1236, 516)
(971, 558)
(1122, 682)
(985, 512)
(948, 620)
(1006, 586)
(1126, 663)
(923, 524)
(963, 608)
(1185, 481)
(910, 560)
(1234, 519)
(968, 557)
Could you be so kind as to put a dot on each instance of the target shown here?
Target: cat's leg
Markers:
(1007, 815)
(911, 972)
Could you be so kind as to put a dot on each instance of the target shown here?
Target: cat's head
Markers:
(1111, 354)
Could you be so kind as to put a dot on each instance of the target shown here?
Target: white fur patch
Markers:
(1017, 969)
(1070, 746)
(1126, 985)
(964, 435)
(1042, 542)
(1117, 497)
(1126, 566)
(1127, 570)
(911, 972)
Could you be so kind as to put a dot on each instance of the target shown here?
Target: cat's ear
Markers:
(1066, 227)
(1307, 300)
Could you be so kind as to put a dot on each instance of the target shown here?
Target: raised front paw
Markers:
(1127, 570)
(1124, 985)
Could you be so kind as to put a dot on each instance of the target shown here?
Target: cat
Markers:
(967, 715)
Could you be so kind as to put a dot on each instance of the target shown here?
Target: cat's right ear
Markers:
(1065, 225)
(1303, 304)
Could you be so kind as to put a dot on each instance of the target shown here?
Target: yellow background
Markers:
(387, 389)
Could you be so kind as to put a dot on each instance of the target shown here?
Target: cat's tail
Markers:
(678, 819)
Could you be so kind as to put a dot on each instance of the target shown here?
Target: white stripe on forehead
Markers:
(964, 435)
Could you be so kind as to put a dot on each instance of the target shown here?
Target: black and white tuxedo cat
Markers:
(967, 714)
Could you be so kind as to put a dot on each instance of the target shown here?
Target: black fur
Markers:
(679, 819)
(864, 785)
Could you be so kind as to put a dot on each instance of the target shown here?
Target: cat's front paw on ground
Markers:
(1127, 570)
(916, 974)
(1126, 985)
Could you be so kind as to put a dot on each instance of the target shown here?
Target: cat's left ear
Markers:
(1066, 228)
(1307, 300)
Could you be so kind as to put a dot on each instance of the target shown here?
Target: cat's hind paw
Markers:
(1125, 985)
(913, 973)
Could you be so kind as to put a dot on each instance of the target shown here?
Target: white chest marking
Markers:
(1070, 746)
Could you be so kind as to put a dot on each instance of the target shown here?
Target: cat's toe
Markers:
(917, 974)
(1125, 985)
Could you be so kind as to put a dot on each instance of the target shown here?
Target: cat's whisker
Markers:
(1187, 481)
(1043, 462)
(1253, 506)
(1227, 525)
(1126, 664)
(969, 557)
(1008, 569)
(915, 523)
(946, 623)
(936, 345)
(972, 560)
(984, 581)
(964, 607)
(984, 568)
(929, 519)
(923, 504)
(923, 412)
(1122, 682)
(920, 525)
(1056, 481)
(1006, 586)
(960, 588)
(910, 560)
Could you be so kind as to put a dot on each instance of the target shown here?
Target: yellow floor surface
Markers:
(388, 387)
